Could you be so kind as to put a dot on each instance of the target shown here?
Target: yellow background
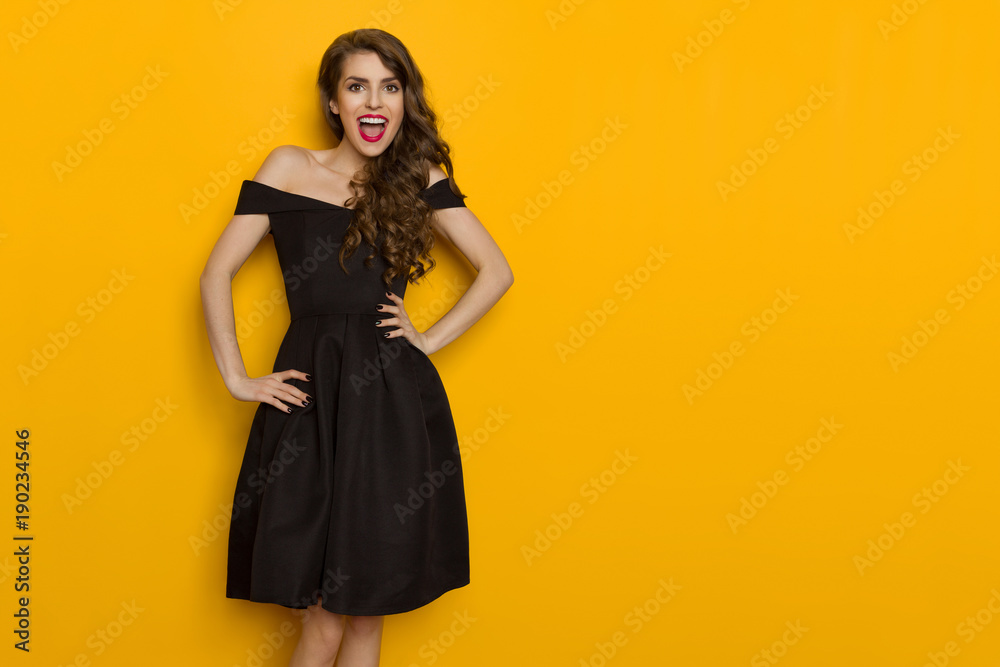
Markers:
(558, 83)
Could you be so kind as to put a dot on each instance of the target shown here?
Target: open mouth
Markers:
(372, 128)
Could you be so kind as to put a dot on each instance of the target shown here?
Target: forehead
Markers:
(367, 65)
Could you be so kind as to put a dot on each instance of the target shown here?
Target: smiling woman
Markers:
(353, 391)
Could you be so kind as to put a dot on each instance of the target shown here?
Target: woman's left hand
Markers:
(401, 320)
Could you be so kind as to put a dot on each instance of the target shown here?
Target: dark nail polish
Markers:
(388, 293)
(385, 335)
(289, 409)
(378, 321)
(306, 402)
(378, 307)
(308, 377)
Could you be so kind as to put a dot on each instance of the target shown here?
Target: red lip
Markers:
(377, 136)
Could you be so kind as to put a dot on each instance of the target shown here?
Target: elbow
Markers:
(211, 276)
(215, 271)
(507, 274)
(504, 276)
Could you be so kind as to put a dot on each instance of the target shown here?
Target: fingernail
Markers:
(388, 293)
(385, 335)
(289, 409)
(309, 377)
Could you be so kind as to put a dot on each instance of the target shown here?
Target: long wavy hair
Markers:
(388, 212)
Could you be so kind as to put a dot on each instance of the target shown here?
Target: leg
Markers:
(320, 640)
(362, 642)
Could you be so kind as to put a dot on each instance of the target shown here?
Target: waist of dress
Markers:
(372, 312)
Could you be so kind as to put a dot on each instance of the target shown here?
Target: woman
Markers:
(350, 499)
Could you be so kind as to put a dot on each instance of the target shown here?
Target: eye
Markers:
(352, 86)
(392, 85)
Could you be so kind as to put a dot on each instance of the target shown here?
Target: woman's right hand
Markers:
(272, 389)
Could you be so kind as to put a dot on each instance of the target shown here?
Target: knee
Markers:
(365, 625)
(327, 625)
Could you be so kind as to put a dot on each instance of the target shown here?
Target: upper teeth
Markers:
(369, 119)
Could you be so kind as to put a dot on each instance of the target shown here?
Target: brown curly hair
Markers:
(388, 213)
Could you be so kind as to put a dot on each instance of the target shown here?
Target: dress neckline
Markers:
(326, 203)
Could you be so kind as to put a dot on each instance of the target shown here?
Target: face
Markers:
(369, 100)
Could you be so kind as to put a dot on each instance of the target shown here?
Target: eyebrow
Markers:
(363, 80)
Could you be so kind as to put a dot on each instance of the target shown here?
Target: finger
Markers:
(396, 333)
(284, 376)
(387, 322)
(288, 392)
(289, 397)
(264, 397)
(282, 400)
(291, 373)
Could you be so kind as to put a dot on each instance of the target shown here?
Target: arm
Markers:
(493, 278)
(493, 275)
(234, 246)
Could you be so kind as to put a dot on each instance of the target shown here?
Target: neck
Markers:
(345, 159)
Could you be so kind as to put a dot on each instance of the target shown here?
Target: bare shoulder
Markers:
(281, 163)
(435, 174)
